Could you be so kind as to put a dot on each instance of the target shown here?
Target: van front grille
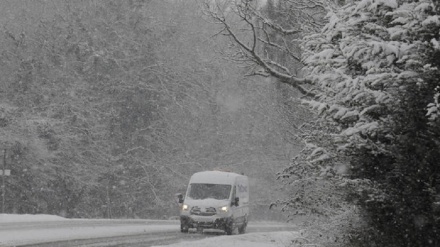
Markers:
(206, 212)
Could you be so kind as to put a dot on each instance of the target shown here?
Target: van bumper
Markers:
(201, 222)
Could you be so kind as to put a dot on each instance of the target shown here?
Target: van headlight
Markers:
(185, 207)
(224, 209)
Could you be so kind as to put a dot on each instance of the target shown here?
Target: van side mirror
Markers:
(235, 202)
(179, 197)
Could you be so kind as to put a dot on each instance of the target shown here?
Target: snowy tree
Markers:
(374, 69)
(372, 73)
(108, 107)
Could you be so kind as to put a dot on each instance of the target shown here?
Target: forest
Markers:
(330, 107)
(108, 107)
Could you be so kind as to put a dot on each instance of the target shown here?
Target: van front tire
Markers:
(229, 230)
(184, 228)
(242, 229)
(229, 226)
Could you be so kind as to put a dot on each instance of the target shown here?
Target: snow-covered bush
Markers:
(320, 199)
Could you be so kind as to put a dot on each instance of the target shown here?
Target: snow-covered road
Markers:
(17, 230)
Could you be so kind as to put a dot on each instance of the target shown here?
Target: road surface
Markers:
(80, 232)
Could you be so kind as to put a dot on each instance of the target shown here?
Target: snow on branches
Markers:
(434, 108)
(367, 53)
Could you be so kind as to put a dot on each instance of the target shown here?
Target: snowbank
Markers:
(4, 218)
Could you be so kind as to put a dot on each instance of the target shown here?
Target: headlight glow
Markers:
(224, 209)
(185, 207)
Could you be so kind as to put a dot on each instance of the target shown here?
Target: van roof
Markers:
(214, 177)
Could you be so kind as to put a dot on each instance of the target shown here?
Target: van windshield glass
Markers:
(215, 191)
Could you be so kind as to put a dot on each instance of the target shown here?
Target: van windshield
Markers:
(215, 191)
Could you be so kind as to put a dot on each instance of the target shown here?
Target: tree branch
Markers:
(269, 66)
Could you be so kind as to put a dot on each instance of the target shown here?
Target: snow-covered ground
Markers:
(12, 234)
(260, 239)
(10, 218)
(10, 237)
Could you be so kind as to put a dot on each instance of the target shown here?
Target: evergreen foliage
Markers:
(375, 72)
(372, 75)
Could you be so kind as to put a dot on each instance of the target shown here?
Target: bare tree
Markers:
(266, 34)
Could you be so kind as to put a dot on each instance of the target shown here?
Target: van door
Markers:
(242, 192)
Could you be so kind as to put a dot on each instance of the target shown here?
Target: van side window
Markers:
(234, 193)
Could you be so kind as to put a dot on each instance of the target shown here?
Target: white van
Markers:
(215, 200)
